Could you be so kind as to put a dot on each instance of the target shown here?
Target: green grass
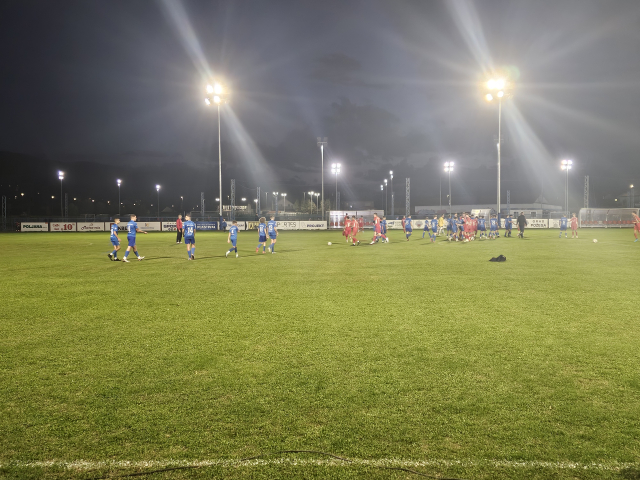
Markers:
(406, 351)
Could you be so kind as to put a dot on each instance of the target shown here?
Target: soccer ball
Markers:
(329, 243)
(595, 240)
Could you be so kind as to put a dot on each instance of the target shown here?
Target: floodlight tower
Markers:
(317, 195)
(61, 177)
(275, 195)
(158, 190)
(633, 197)
(284, 202)
(119, 182)
(391, 175)
(217, 94)
(335, 170)
(311, 200)
(322, 142)
(386, 197)
(566, 166)
(448, 168)
(501, 88)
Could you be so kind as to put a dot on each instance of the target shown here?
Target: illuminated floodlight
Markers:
(60, 175)
(255, 200)
(500, 94)
(488, 97)
(217, 89)
(566, 164)
(157, 188)
(22, 195)
(217, 199)
(491, 84)
(448, 166)
(53, 196)
(119, 182)
(382, 187)
(243, 199)
(335, 168)
(209, 89)
(217, 100)
(207, 102)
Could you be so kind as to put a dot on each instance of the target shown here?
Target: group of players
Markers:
(188, 231)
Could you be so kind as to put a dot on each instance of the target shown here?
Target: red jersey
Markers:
(574, 223)
(361, 223)
(179, 224)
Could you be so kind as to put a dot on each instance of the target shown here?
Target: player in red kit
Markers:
(354, 231)
(347, 228)
(636, 225)
(574, 226)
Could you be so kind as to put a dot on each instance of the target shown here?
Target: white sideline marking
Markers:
(390, 462)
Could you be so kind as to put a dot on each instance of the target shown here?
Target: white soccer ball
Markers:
(328, 243)
(595, 240)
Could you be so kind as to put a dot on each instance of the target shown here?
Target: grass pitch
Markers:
(409, 354)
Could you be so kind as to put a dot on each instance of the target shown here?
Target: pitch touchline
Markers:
(91, 465)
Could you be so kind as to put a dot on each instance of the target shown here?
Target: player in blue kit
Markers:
(460, 225)
(434, 228)
(493, 226)
(508, 222)
(427, 226)
(383, 226)
(408, 229)
(262, 235)
(189, 228)
(115, 240)
(272, 230)
(482, 227)
(563, 226)
(233, 238)
(132, 229)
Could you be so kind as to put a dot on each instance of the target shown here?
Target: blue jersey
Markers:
(481, 224)
(132, 228)
(434, 224)
(233, 232)
(383, 226)
(114, 230)
(507, 223)
(449, 223)
(494, 223)
(189, 229)
(407, 224)
(271, 228)
(563, 223)
(426, 224)
(262, 229)
(460, 223)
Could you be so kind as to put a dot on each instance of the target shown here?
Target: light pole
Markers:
(633, 197)
(382, 190)
(158, 190)
(61, 177)
(386, 198)
(335, 170)
(392, 209)
(317, 202)
(448, 168)
(181, 203)
(566, 166)
(500, 86)
(119, 182)
(284, 202)
(275, 195)
(322, 142)
(311, 200)
(216, 94)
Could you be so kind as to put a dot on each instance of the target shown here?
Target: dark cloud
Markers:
(341, 69)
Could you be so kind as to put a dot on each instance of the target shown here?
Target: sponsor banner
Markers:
(292, 225)
(62, 227)
(203, 226)
(394, 224)
(555, 223)
(169, 226)
(310, 225)
(148, 226)
(241, 225)
(252, 225)
(416, 224)
(90, 227)
(539, 223)
(34, 227)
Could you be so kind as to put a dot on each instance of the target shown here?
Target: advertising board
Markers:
(169, 226)
(206, 226)
(62, 227)
(90, 226)
(312, 225)
(34, 227)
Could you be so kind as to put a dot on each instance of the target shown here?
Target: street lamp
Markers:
(158, 190)
(61, 177)
(322, 142)
(392, 210)
(216, 94)
(284, 201)
(119, 182)
(566, 165)
(448, 168)
(498, 88)
(335, 170)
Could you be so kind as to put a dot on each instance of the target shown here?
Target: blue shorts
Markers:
(234, 241)
(494, 229)
(188, 240)
(115, 242)
(272, 237)
(408, 230)
(132, 241)
(434, 230)
(482, 229)
(563, 228)
(262, 239)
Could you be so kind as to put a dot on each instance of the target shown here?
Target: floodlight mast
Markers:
(501, 87)
(61, 177)
(158, 190)
(566, 166)
(217, 94)
(335, 169)
(322, 142)
(448, 167)
(119, 182)
(392, 209)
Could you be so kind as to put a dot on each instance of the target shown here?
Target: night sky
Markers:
(393, 84)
